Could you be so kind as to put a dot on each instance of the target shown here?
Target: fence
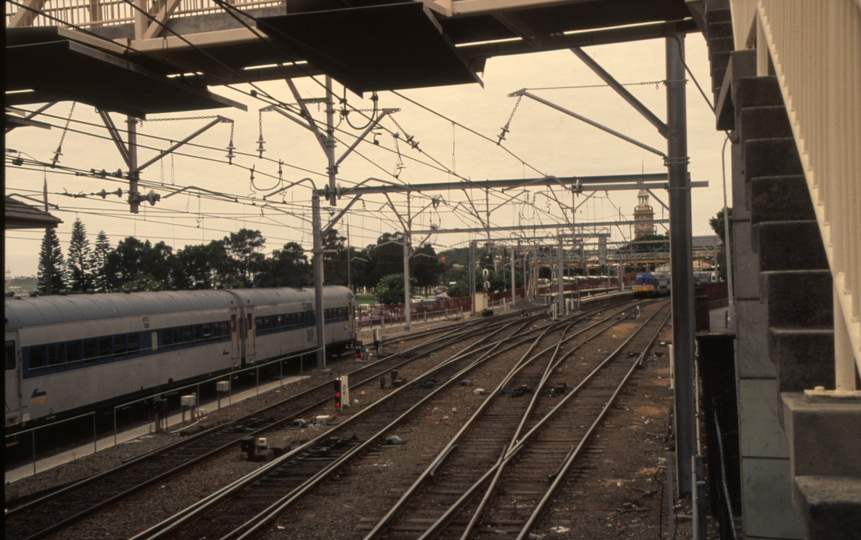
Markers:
(142, 408)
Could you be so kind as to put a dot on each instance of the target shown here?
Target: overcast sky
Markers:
(540, 138)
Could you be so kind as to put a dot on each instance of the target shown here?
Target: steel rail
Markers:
(445, 519)
(254, 525)
(444, 453)
(17, 513)
(187, 515)
(539, 508)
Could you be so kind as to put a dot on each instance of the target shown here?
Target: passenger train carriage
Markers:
(68, 354)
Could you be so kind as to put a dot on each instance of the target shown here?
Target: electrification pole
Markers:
(560, 277)
(472, 274)
(318, 279)
(681, 260)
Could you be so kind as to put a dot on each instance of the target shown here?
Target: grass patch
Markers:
(366, 299)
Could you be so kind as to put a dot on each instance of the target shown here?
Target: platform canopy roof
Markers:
(364, 44)
(48, 63)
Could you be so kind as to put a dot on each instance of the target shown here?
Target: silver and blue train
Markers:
(71, 354)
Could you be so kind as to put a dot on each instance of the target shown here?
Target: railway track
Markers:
(57, 510)
(262, 494)
(511, 457)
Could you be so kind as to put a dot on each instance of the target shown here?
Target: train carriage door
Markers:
(309, 321)
(251, 340)
(235, 339)
(12, 394)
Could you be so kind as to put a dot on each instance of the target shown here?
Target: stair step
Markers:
(830, 506)
(789, 245)
(719, 29)
(771, 157)
(803, 357)
(779, 198)
(718, 11)
(798, 298)
(766, 122)
(757, 92)
(717, 45)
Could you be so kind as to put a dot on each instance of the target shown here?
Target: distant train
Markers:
(70, 354)
(651, 284)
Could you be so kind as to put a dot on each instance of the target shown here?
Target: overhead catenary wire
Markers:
(439, 167)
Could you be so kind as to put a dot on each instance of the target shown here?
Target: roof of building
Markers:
(18, 215)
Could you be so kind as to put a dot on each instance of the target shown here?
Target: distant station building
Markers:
(643, 215)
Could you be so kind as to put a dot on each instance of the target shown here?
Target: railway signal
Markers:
(337, 393)
(342, 392)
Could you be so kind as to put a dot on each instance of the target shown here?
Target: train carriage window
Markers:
(187, 334)
(177, 336)
(37, 357)
(198, 333)
(90, 350)
(10, 355)
(55, 354)
(119, 346)
(280, 322)
(207, 332)
(167, 338)
(154, 340)
(104, 348)
(134, 345)
(225, 330)
(73, 351)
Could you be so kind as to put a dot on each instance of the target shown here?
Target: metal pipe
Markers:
(513, 280)
(583, 181)
(332, 167)
(218, 120)
(406, 279)
(621, 90)
(472, 273)
(318, 278)
(560, 279)
(134, 201)
(726, 245)
(681, 259)
(592, 123)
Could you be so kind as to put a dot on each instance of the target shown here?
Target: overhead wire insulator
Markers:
(260, 140)
(230, 148)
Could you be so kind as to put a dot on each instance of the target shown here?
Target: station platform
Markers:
(41, 465)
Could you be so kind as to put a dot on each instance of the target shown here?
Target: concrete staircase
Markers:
(784, 295)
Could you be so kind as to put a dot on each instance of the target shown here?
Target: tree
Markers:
(288, 267)
(390, 289)
(335, 263)
(459, 289)
(79, 274)
(717, 225)
(132, 261)
(386, 257)
(425, 266)
(51, 264)
(98, 265)
(200, 266)
(242, 247)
